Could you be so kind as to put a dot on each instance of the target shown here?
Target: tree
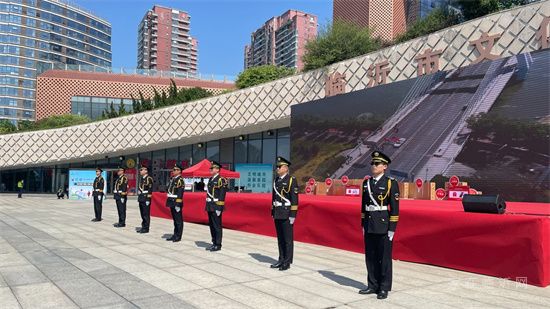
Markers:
(26, 125)
(192, 94)
(437, 19)
(476, 8)
(261, 74)
(122, 109)
(337, 42)
(60, 121)
(6, 126)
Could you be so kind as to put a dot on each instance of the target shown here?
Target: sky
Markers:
(223, 27)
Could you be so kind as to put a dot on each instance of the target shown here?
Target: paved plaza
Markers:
(52, 256)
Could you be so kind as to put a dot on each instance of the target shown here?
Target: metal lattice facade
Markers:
(265, 106)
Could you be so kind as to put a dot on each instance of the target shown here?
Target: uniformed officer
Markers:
(379, 216)
(144, 199)
(175, 202)
(121, 196)
(284, 209)
(99, 185)
(215, 204)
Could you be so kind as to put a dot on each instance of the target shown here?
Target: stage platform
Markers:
(515, 245)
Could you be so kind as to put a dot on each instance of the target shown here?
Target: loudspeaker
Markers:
(491, 204)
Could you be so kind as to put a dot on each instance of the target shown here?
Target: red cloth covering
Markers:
(202, 169)
(430, 232)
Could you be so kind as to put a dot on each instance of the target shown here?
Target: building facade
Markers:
(281, 40)
(263, 110)
(36, 34)
(90, 93)
(387, 18)
(165, 43)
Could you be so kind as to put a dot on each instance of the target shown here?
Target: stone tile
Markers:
(199, 277)
(167, 282)
(89, 293)
(252, 297)
(162, 302)
(22, 275)
(43, 257)
(12, 259)
(43, 295)
(129, 286)
(125, 305)
(331, 292)
(292, 294)
(7, 299)
(73, 254)
(208, 299)
(227, 272)
(62, 271)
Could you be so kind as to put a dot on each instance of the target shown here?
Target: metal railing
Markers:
(133, 71)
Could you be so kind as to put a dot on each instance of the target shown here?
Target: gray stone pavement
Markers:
(52, 256)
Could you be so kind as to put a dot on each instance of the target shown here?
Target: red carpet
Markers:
(515, 245)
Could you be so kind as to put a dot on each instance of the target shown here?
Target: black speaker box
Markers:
(491, 204)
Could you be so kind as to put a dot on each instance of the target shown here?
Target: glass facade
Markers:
(261, 147)
(93, 107)
(34, 35)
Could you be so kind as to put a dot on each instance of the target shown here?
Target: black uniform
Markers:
(121, 196)
(284, 207)
(99, 184)
(175, 202)
(144, 201)
(379, 215)
(215, 201)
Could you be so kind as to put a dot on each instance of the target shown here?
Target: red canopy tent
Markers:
(202, 169)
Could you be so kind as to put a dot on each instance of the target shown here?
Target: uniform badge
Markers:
(396, 195)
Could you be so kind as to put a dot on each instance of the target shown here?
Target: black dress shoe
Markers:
(367, 291)
(142, 231)
(170, 239)
(94, 220)
(215, 248)
(284, 267)
(382, 295)
(176, 239)
(119, 225)
(276, 265)
(209, 248)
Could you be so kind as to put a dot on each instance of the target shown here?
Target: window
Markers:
(199, 152)
(283, 142)
(213, 150)
(255, 148)
(241, 150)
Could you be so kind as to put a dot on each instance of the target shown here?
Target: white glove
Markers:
(363, 229)
(178, 209)
(218, 212)
(390, 235)
(147, 203)
(291, 220)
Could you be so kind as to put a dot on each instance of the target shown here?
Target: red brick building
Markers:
(59, 91)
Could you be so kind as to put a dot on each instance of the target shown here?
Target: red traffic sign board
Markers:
(454, 181)
(344, 179)
(308, 190)
(418, 182)
(472, 191)
(311, 182)
(440, 193)
(328, 182)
